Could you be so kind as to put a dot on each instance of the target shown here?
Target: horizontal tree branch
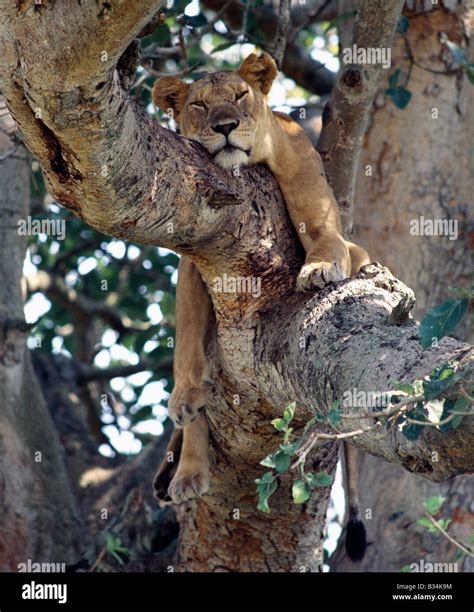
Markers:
(54, 287)
(88, 373)
(343, 340)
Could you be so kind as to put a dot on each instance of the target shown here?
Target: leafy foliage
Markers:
(442, 320)
(280, 462)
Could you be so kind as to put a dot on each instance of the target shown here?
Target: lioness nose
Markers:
(226, 128)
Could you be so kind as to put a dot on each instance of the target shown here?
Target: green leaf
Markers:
(399, 96)
(279, 424)
(405, 569)
(301, 491)
(268, 461)
(470, 73)
(223, 46)
(463, 291)
(433, 388)
(403, 24)
(444, 523)
(433, 504)
(412, 431)
(267, 478)
(405, 387)
(461, 404)
(334, 415)
(393, 79)
(424, 521)
(442, 320)
(267, 485)
(290, 449)
(289, 412)
(280, 461)
(321, 479)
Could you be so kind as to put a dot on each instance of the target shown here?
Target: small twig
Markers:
(314, 437)
(10, 153)
(449, 537)
(465, 394)
(410, 399)
(182, 46)
(312, 16)
(245, 18)
(98, 561)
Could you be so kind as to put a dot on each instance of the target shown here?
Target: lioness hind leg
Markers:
(359, 257)
(191, 371)
(168, 467)
(192, 477)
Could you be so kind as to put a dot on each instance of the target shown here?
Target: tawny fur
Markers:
(227, 113)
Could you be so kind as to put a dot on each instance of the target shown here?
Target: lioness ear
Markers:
(170, 93)
(260, 72)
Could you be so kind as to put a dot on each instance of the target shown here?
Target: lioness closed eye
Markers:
(227, 113)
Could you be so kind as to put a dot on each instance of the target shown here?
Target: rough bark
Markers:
(418, 169)
(161, 189)
(40, 519)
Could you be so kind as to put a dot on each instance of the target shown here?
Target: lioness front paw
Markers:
(319, 274)
(188, 484)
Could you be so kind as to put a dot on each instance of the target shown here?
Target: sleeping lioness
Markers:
(228, 114)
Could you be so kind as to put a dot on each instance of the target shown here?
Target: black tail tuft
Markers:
(356, 539)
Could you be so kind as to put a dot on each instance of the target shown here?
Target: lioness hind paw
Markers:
(188, 486)
(319, 274)
(186, 403)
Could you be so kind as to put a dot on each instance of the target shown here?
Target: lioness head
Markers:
(223, 111)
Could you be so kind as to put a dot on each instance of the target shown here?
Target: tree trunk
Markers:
(419, 167)
(40, 519)
(268, 349)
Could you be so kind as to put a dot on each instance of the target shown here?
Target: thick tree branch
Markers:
(337, 349)
(346, 115)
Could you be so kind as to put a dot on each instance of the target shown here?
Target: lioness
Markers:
(228, 114)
